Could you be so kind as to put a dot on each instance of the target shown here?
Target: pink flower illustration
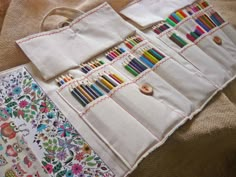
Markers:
(44, 107)
(77, 169)
(79, 156)
(49, 168)
(23, 104)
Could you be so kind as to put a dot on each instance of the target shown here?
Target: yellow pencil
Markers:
(107, 84)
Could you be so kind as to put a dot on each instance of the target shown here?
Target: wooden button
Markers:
(146, 89)
(217, 40)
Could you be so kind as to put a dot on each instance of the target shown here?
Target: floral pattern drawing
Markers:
(63, 151)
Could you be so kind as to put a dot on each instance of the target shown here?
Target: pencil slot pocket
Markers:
(193, 86)
(192, 31)
(218, 53)
(139, 56)
(211, 69)
(158, 117)
(80, 94)
(148, 54)
(211, 23)
(114, 124)
(178, 18)
(222, 24)
(222, 40)
(175, 40)
(164, 92)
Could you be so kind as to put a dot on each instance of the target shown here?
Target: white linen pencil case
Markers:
(178, 92)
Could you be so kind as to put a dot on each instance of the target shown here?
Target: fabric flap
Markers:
(147, 12)
(58, 50)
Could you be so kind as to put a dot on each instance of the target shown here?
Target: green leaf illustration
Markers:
(7, 100)
(11, 104)
(89, 158)
(57, 168)
(44, 163)
(91, 164)
(61, 173)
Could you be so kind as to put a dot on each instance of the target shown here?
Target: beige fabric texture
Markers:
(204, 146)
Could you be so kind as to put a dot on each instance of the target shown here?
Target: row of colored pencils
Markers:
(87, 67)
(161, 27)
(114, 53)
(192, 36)
(85, 93)
(134, 66)
(64, 79)
(133, 41)
(177, 40)
(176, 17)
(205, 22)
(196, 7)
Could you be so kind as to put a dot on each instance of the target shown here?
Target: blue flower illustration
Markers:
(17, 90)
(35, 87)
(69, 174)
(51, 115)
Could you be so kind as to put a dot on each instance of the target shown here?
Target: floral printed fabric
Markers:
(27, 112)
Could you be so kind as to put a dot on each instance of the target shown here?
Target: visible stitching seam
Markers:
(63, 29)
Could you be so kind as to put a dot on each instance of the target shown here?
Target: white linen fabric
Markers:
(147, 12)
(124, 125)
(89, 31)
(216, 62)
